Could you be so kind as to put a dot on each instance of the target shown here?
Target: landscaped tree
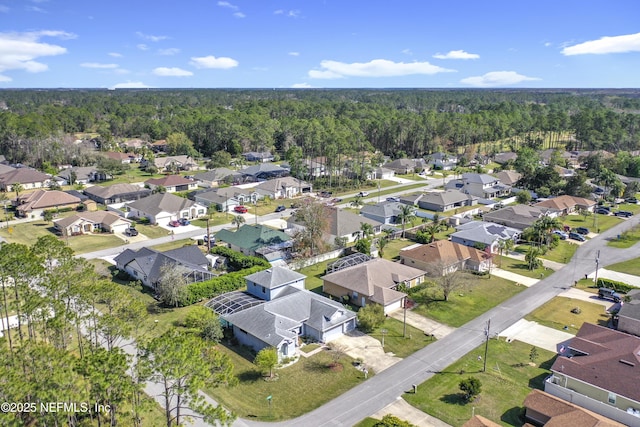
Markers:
(405, 215)
(238, 220)
(370, 317)
(366, 230)
(313, 216)
(206, 322)
(363, 246)
(523, 197)
(17, 188)
(180, 144)
(357, 201)
(448, 278)
(532, 258)
(381, 243)
(171, 285)
(505, 245)
(392, 421)
(219, 159)
(470, 387)
(267, 359)
(533, 354)
(337, 352)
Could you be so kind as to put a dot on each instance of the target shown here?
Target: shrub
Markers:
(614, 284)
(370, 317)
(470, 387)
(237, 260)
(576, 310)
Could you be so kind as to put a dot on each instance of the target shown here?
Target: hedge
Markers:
(615, 285)
(237, 260)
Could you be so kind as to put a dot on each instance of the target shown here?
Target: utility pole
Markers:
(486, 344)
(595, 276)
(404, 326)
(208, 237)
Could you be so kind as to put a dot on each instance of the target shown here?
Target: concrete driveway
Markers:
(361, 346)
(586, 296)
(536, 334)
(403, 410)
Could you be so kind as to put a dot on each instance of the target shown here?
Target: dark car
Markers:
(582, 230)
(281, 208)
(174, 223)
(611, 294)
(325, 194)
(632, 200)
(393, 199)
(603, 211)
(131, 232)
(184, 221)
(624, 214)
(578, 237)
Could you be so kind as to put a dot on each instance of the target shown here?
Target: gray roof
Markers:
(263, 168)
(112, 190)
(275, 277)
(161, 202)
(82, 173)
(478, 178)
(631, 309)
(485, 232)
(444, 198)
(283, 183)
(216, 174)
(521, 216)
(212, 196)
(383, 209)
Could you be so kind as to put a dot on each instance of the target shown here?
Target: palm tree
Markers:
(532, 259)
(432, 229)
(382, 242)
(405, 215)
(366, 229)
(543, 227)
(505, 245)
(238, 220)
(357, 201)
(17, 187)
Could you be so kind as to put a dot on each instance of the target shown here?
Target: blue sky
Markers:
(319, 44)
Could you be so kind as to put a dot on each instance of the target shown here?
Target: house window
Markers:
(612, 398)
(264, 290)
(135, 273)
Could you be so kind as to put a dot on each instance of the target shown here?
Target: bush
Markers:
(614, 284)
(470, 387)
(195, 292)
(239, 261)
(370, 317)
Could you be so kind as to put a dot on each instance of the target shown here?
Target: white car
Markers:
(363, 193)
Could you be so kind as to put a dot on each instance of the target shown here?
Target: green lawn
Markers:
(151, 231)
(626, 239)
(520, 267)
(313, 282)
(557, 314)
(593, 222)
(630, 267)
(397, 343)
(392, 249)
(173, 245)
(507, 381)
(481, 294)
(300, 388)
(562, 253)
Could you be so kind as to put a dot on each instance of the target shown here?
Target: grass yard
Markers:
(505, 384)
(562, 253)
(479, 295)
(396, 343)
(626, 239)
(300, 387)
(174, 244)
(151, 231)
(520, 267)
(557, 314)
(313, 282)
(630, 267)
(393, 247)
(593, 222)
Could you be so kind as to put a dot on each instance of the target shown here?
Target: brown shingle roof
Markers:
(444, 251)
(42, 199)
(97, 217)
(23, 176)
(170, 181)
(566, 202)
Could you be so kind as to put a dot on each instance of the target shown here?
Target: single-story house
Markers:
(518, 216)
(480, 421)
(248, 239)
(164, 207)
(244, 196)
(406, 166)
(384, 212)
(296, 313)
(219, 202)
(159, 146)
(125, 158)
(372, 281)
(629, 314)
(340, 223)
(216, 177)
(175, 163)
(263, 171)
(487, 234)
(90, 222)
(172, 183)
(283, 188)
(81, 175)
(28, 178)
(443, 161)
(502, 158)
(443, 201)
(116, 193)
(443, 257)
(147, 264)
(598, 369)
(384, 173)
(549, 153)
(270, 283)
(509, 177)
(34, 204)
(258, 156)
(566, 204)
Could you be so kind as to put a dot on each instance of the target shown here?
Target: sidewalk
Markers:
(629, 279)
(428, 326)
(518, 278)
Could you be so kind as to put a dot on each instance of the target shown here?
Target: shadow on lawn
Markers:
(454, 399)
(513, 416)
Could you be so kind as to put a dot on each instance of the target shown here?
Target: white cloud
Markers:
(19, 51)
(615, 44)
(130, 85)
(35, 9)
(301, 86)
(294, 53)
(407, 51)
(4, 9)
(171, 72)
(239, 15)
(98, 65)
(375, 68)
(213, 62)
(150, 37)
(288, 13)
(115, 54)
(227, 5)
(168, 52)
(497, 78)
(457, 54)
(142, 46)
(121, 71)
(548, 44)
(4, 79)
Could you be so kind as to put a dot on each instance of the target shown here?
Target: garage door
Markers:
(332, 334)
(392, 307)
(119, 228)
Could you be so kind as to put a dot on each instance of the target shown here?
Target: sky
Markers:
(319, 44)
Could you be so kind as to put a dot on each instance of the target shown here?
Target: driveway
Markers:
(428, 326)
(361, 346)
(586, 296)
(403, 410)
(536, 334)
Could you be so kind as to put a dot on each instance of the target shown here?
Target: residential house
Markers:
(629, 314)
(27, 178)
(406, 166)
(258, 156)
(384, 212)
(244, 196)
(383, 173)
(124, 158)
(116, 193)
(566, 204)
(372, 281)
(262, 172)
(217, 201)
(91, 222)
(564, 172)
(175, 163)
(443, 201)
(340, 223)
(4, 168)
(411, 199)
(164, 207)
(281, 322)
(172, 183)
(315, 167)
(34, 204)
(147, 264)
(502, 158)
(518, 216)
(547, 155)
(544, 409)
(509, 177)
(477, 234)
(81, 175)
(443, 257)
(249, 239)
(481, 185)
(599, 370)
(270, 283)
(217, 177)
(283, 188)
(159, 146)
(133, 144)
(443, 161)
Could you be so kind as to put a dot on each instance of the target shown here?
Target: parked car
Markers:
(325, 194)
(336, 200)
(363, 193)
(582, 230)
(561, 234)
(131, 232)
(241, 209)
(632, 200)
(393, 199)
(624, 214)
(210, 236)
(281, 208)
(184, 221)
(174, 223)
(578, 237)
(603, 211)
(606, 293)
